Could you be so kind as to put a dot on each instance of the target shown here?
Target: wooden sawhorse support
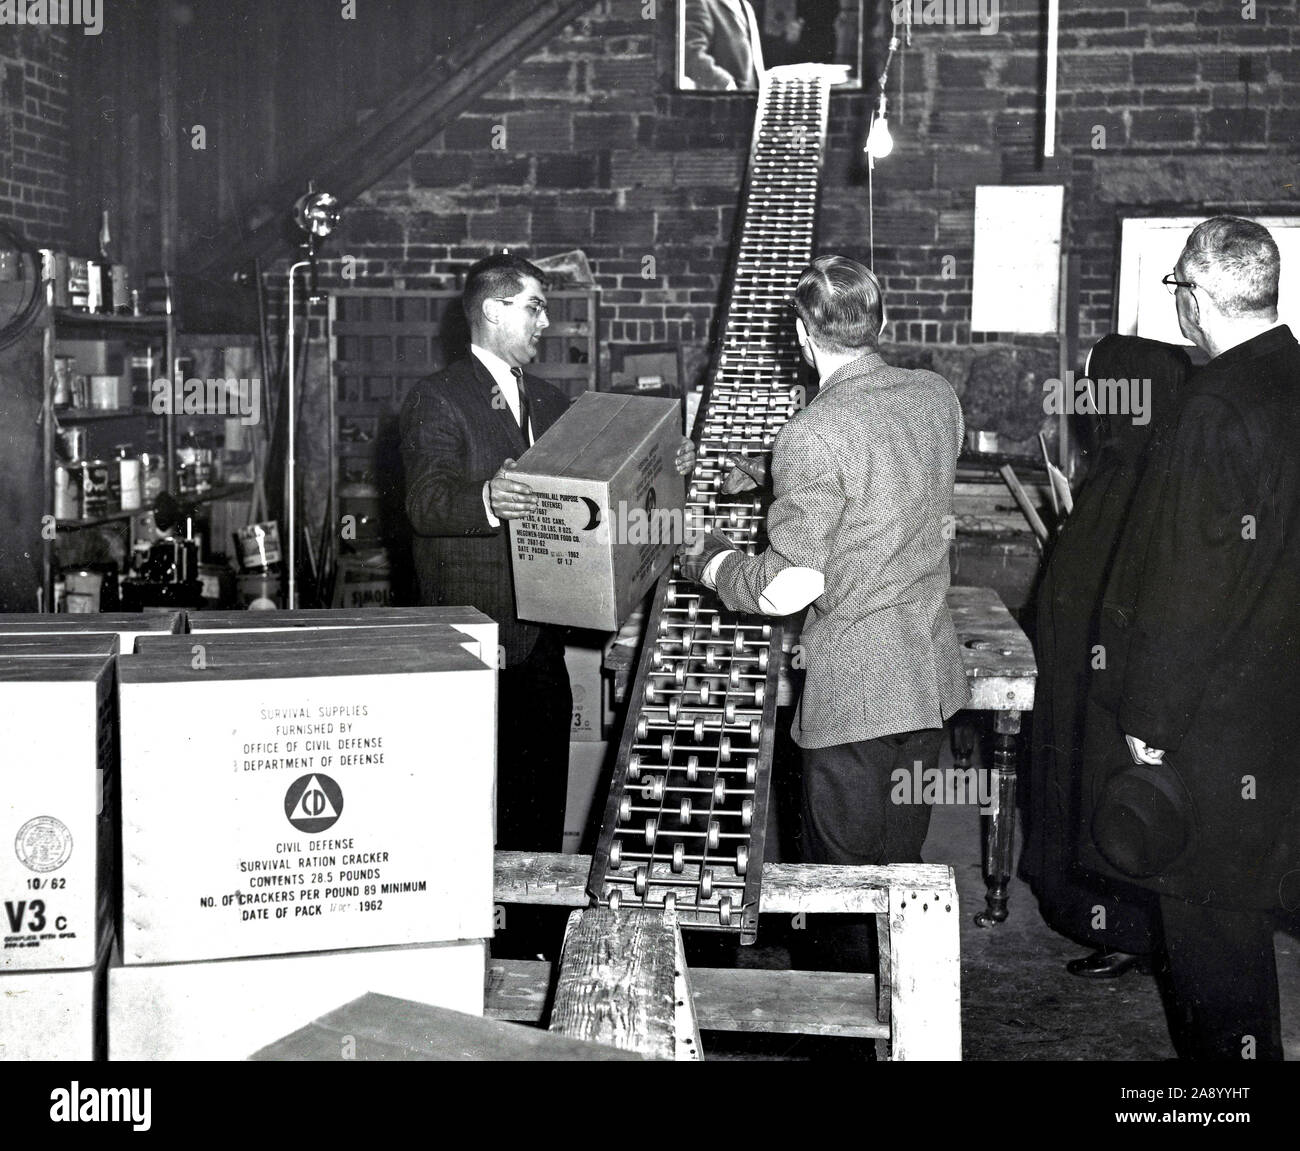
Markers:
(913, 1011)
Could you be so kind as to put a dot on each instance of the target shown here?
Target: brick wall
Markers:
(34, 133)
(1162, 105)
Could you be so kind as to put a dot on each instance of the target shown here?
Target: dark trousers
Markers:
(1221, 982)
(850, 816)
(534, 718)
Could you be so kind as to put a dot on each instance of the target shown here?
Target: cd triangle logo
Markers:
(313, 803)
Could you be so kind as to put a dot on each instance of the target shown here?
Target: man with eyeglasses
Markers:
(462, 431)
(1196, 798)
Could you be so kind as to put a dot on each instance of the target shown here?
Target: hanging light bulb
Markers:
(879, 142)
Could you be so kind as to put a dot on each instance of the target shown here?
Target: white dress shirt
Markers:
(504, 378)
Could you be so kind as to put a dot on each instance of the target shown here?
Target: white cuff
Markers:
(792, 590)
(487, 505)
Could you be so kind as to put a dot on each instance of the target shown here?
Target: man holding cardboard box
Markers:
(863, 482)
(462, 431)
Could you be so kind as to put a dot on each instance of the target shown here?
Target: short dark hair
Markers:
(1236, 262)
(499, 276)
(839, 301)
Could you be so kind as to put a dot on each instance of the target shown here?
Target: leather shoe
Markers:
(1108, 965)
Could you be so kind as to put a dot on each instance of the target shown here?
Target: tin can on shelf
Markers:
(67, 491)
(104, 393)
(63, 372)
(96, 489)
(72, 444)
(130, 488)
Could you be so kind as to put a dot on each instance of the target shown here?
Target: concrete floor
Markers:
(1018, 1001)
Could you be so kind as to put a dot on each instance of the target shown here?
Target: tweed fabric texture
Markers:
(863, 482)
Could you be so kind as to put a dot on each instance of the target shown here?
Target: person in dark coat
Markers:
(1191, 787)
(462, 430)
(1135, 386)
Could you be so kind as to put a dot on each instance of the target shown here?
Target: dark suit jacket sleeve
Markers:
(801, 524)
(1193, 574)
(700, 66)
(440, 501)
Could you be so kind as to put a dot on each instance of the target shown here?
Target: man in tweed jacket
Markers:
(863, 482)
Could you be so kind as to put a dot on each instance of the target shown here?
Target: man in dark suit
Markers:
(720, 48)
(462, 431)
(1195, 796)
(863, 480)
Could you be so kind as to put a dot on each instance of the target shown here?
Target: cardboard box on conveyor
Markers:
(303, 791)
(612, 511)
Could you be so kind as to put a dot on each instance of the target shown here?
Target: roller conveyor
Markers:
(685, 819)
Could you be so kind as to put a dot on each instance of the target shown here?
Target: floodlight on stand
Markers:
(317, 214)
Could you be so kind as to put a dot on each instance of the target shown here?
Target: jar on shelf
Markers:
(131, 489)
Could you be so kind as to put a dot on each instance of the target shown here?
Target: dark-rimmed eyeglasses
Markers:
(1173, 283)
(532, 309)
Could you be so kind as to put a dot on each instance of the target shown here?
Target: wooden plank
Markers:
(517, 989)
(925, 970)
(383, 1028)
(726, 999)
(686, 1026)
(555, 880)
(616, 984)
(795, 1002)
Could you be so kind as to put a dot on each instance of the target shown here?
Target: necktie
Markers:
(523, 405)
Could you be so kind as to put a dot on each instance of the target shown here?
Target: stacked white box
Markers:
(313, 801)
(230, 1008)
(127, 626)
(57, 798)
(307, 815)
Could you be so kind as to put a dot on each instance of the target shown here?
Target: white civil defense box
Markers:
(612, 511)
(309, 802)
(232, 1008)
(48, 1016)
(56, 809)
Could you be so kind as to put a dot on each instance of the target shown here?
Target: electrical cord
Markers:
(23, 318)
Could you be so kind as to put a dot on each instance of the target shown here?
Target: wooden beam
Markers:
(362, 155)
(686, 1024)
(555, 880)
(618, 981)
(382, 1028)
(925, 971)
(837, 1003)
